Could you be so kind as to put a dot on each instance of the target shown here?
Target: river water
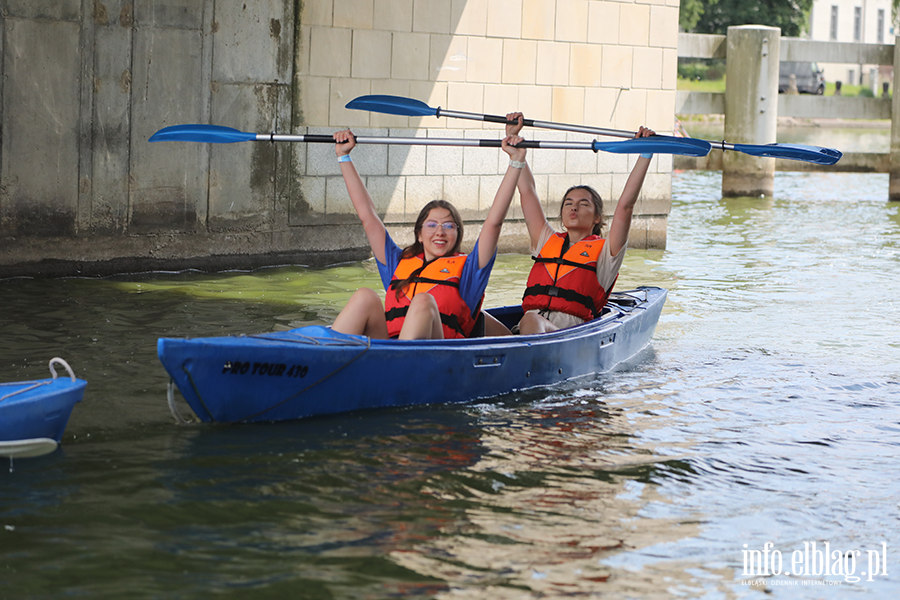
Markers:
(761, 423)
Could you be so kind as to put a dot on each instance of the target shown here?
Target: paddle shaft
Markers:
(398, 105)
(439, 112)
(825, 156)
(752, 149)
(218, 134)
(418, 141)
(655, 143)
(533, 123)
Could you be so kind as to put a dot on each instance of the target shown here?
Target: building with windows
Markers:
(867, 21)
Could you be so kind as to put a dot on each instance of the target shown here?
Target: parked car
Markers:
(810, 79)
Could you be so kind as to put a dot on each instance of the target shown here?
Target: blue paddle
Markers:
(398, 105)
(216, 134)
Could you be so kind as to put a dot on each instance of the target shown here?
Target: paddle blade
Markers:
(813, 154)
(392, 105)
(657, 144)
(214, 134)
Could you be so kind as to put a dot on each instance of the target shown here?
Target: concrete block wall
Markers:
(601, 63)
(84, 83)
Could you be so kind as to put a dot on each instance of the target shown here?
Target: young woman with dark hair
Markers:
(574, 270)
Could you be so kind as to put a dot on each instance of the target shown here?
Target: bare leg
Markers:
(532, 322)
(423, 320)
(363, 315)
(493, 327)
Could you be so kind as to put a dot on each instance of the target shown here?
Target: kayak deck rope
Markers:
(196, 391)
(38, 383)
(34, 385)
(628, 302)
(170, 397)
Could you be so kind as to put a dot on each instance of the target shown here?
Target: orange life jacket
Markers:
(440, 278)
(564, 278)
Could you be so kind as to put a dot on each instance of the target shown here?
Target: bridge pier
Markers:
(894, 179)
(751, 101)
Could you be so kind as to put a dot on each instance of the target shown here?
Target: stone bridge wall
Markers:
(86, 82)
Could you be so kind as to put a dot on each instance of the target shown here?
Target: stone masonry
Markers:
(86, 82)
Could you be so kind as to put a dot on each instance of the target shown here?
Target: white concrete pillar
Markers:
(894, 179)
(751, 108)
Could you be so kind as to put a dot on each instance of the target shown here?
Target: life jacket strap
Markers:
(563, 261)
(395, 283)
(397, 312)
(557, 292)
(450, 321)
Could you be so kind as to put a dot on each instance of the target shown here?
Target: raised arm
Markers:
(359, 195)
(621, 223)
(490, 231)
(535, 219)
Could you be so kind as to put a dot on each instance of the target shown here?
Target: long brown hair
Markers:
(417, 248)
(595, 198)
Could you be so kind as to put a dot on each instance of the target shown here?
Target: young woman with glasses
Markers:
(432, 291)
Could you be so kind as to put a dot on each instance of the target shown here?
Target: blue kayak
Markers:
(315, 371)
(34, 414)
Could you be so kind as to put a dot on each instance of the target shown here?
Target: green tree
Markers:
(690, 11)
(792, 16)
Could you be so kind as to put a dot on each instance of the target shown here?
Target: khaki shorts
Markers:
(560, 319)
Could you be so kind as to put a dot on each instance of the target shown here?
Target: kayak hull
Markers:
(38, 409)
(314, 371)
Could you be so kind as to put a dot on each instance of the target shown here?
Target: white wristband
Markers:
(344, 158)
(517, 164)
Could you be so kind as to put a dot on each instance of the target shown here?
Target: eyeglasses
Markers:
(447, 226)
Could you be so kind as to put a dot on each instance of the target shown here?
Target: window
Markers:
(879, 32)
(832, 32)
(857, 23)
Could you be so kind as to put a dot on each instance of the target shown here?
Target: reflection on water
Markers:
(558, 489)
(764, 412)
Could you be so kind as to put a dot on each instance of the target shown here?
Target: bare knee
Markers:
(423, 319)
(363, 303)
(425, 303)
(363, 315)
(532, 323)
(365, 298)
(493, 327)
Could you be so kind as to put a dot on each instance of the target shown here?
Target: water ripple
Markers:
(763, 412)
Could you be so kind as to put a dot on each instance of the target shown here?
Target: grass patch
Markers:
(701, 85)
(853, 90)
